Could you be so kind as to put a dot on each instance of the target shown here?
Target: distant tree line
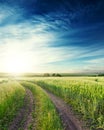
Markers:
(52, 75)
(100, 74)
(56, 75)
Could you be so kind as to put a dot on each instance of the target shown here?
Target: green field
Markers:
(11, 100)
(85, 95)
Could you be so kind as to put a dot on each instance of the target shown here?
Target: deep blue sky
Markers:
(53, 35)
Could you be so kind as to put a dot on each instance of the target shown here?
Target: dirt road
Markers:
(24, 117)
(67, 117)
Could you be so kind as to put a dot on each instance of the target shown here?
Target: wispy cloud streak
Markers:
(53, 39)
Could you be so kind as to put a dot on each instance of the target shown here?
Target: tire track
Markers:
(68, 118)
(24, 117)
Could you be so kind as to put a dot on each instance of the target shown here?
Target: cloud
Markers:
(10, 15)
(52, 39)
(34, 46)
(97, 61)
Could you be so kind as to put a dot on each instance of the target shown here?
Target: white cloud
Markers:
(96, 61)
(31, 43)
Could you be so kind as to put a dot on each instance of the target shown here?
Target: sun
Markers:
(15, 63)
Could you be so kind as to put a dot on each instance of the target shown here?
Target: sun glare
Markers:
(15, 63)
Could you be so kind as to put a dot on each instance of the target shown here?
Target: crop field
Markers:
(85, 95)
(52, 103)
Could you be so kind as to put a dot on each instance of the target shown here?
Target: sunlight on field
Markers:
(85, 95)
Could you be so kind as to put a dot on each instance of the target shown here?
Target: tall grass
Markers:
(11, 99)
(86, 97)
(46, 117)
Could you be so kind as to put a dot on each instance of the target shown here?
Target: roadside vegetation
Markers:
(11, 100)
(85, 95)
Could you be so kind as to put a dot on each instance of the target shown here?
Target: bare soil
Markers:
(24, 117)
(69, 120)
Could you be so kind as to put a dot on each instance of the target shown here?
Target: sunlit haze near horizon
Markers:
(51, 36)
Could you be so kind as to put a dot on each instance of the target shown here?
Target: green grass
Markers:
(85, 95)
(45, 115)
(11, 99)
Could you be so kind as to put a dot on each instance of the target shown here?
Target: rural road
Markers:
(68, 119)
(24, 117)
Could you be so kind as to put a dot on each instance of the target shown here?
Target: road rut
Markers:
(24, 117)
(68, 118)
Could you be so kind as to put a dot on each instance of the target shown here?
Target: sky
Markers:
(52, 36)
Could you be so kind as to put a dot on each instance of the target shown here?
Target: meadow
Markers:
(85, 96)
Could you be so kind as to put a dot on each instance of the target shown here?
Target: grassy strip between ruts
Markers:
(11, 99)
(45, 115)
